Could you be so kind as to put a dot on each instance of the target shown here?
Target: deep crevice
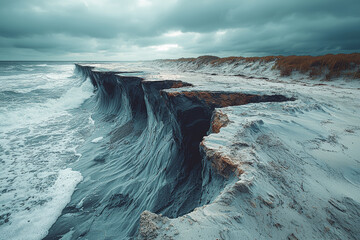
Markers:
(188, 114)
(165, 129)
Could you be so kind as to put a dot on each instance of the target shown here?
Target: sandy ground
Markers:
(300, 160)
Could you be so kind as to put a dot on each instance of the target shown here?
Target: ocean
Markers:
(45, 115)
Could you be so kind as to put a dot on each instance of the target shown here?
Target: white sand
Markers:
(301, 160)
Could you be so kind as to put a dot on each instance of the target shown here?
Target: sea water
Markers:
(43, 120)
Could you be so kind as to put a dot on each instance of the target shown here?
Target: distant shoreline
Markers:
(329, 65)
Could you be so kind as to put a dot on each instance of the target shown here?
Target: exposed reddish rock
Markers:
(222, 163)
(217, 99)
(180, 84)
(219, 120)
(224, 99)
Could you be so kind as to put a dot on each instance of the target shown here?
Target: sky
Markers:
(128, 30)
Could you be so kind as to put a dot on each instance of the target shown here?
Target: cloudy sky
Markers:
(151, 29)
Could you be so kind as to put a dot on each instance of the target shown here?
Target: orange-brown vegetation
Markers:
(329, 65)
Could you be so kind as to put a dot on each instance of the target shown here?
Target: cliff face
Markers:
(181, 159)
(158, 134)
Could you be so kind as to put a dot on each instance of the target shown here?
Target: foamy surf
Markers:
(34, 113)
(43, 121)
(34, 223)
(96, 140)
(73, 98)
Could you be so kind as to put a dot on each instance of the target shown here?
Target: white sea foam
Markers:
(73, 98)
(34, 223)
(35, 113)
(96, 140)
(26, 82)
(91, 121)
(37, 140)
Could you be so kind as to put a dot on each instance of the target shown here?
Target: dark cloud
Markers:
(147, 29)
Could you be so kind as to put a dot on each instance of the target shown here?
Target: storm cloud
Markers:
(150, 29)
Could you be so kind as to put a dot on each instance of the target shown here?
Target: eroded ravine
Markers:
(150, 157)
